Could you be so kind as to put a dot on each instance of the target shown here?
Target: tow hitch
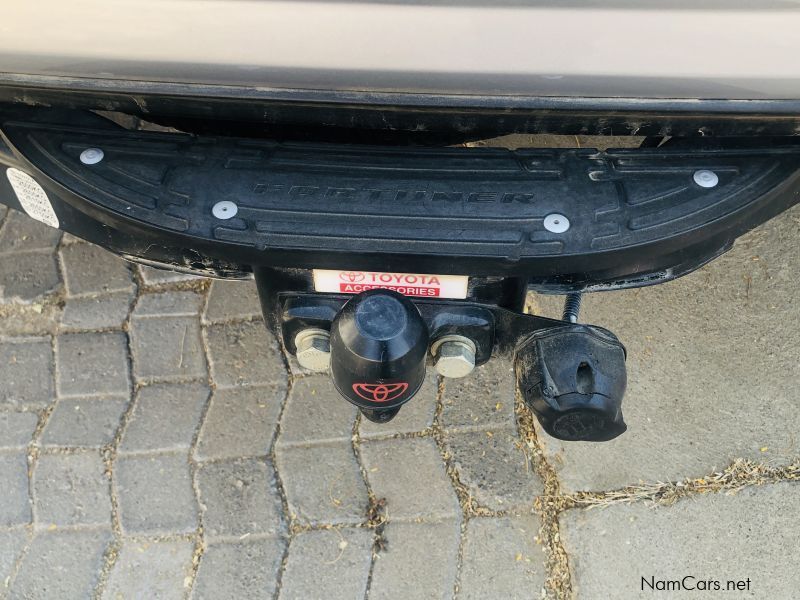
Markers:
(319, 222)
(378, 344)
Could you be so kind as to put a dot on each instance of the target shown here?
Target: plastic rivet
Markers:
(705, 178)
(556, 223)
(92, 156)
(225, 210)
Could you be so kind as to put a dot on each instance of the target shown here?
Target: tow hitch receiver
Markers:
(379, 342)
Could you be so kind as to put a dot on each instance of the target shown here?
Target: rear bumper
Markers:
(636, 217)
(705, 49)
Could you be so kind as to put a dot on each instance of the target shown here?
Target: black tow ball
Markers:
(378, 346)
(573, 378)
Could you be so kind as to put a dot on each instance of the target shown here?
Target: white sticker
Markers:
(32, 197)
(409, 284)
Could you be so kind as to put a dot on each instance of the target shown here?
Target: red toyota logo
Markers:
(351, 276)
(379, 392)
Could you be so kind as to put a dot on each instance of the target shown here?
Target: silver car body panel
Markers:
(632, 49)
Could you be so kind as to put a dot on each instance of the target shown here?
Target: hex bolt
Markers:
(454, 356)
(705, 178)
(556, 223)
(224, 210)
(313, 349)
(92, 156)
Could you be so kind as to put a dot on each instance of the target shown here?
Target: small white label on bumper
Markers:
(32, 197)
(409, 284)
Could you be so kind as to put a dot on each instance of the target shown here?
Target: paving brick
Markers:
(416, 415)
(89, 269)
(315, 412)
(71, 489)
(155, 494)
(167, 349)
(244, 354)
(20, 233)
(240, 422)
(92, 364)
(26, 372)
(717, 536)
(709, 357)
(239, 498)
(411, 475)
(150, 569)
(12, 543)
(61, 564)
(108, 311)
(323, 484)
(152, 276)
(419, 561)
(502, 560)
(164, 417)
(228, 300)
(328, 565)
(494, 467)
(29, 276)
(86, 423)
(483, 399)
(16, 429)
(166, 304)
(247, 569)
(15, 506)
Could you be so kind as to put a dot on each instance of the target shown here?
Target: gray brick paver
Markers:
(315, 412)
(493, 464)
(155, 494)
(323, 483)
(327, 565)
(92, 364)
(419, 561)
(235, 571)
(61, 564)
(89, 269)
(239, 498)
(71, 489)
(240, 422)
(84, 423)
(150, 569)
(501, 559)
(26, 372)
(411, 476)
(164, 417)
(15, 506)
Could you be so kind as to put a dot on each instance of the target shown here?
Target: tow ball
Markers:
(378, 344)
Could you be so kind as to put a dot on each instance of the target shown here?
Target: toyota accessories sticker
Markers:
(409, 284)
(32, 197)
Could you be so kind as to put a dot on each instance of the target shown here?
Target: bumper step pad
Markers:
(565, 218)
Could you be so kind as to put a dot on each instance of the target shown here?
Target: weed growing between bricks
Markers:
(739, 474)
(558, 583)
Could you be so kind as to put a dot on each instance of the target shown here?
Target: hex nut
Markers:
(455, 357)
(313, 349)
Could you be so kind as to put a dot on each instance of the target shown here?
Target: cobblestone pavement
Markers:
(154, 443)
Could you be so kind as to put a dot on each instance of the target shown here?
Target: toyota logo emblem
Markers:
(379, 392)
(351, 276)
